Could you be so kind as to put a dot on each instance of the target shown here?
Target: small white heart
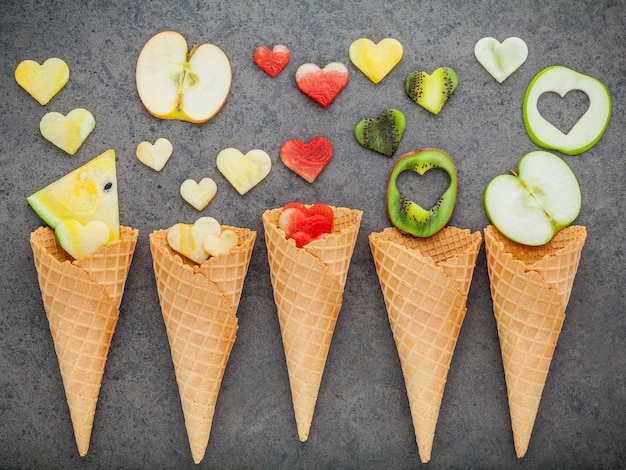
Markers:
(198, 194)
(188, 239)
(243, 171)
(82, 239)
(221, 244)
(67, 132)
(501, 59)
(155, 156)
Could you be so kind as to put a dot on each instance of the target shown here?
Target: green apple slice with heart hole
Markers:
(532, 205)
(591, 125)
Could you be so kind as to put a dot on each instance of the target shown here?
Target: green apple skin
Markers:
(532, 205)
(591, 125)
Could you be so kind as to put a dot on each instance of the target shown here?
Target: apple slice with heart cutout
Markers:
(588, 129)
(531, 205)
(174, 83)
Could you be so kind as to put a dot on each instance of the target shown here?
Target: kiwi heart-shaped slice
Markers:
(382, 134)
(409, 216)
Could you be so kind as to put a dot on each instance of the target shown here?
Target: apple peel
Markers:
(243, 172)
(155, 155)
(591, 126)
(198, 194)
(501, 59)
(67, 132)
(375, 60)
(44, 81)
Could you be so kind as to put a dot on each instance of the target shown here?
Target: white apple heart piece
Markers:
(67, 132)
(531, 205)
(198, 194)
(188, 240)
(587, 130)
(501, 59)
(221, 244)
(80, 239)
(44, 81)
(243, 172)
(155, 155)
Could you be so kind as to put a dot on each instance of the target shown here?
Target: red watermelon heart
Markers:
(273, 61)
(306, 223)
(307, 160)
(322, 85)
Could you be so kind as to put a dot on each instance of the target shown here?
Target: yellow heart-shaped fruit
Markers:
(44, 81)
(244, 171)
(79, 239)
(188, 239)
(67, 132)
(155, 155)
(221, 244)
(375, 60)
(198, 194)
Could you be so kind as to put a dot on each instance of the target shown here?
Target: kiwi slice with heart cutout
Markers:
(410, 217)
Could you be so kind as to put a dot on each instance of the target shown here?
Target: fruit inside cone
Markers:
(174, 83)
(531, 205)
(304, 223)
(201, 240)
(409, 216)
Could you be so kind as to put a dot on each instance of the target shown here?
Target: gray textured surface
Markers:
(362, 418)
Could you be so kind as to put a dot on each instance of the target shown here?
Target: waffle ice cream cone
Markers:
(308, 286)
(530, 288)
(81, 299)
(199, 306)
(425, 282)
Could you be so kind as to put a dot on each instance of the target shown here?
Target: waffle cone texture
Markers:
(81, 299)
(425, 282)
(199, 306)
(530, 289)
(308, 285)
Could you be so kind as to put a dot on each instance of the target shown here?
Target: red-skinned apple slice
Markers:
(174, 83)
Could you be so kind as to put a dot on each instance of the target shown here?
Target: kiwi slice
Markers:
(382, 134)
(409, 216)
(431, 91)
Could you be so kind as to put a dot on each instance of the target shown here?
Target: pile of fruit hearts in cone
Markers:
(424, 265)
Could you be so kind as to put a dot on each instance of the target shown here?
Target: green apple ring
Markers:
(589, 128)
(409, 216)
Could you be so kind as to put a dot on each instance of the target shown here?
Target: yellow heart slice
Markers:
(82, 239)
(67, 132)
(188, 240)
(155, 155)
(375, 60)
(44, 81)
(244, 172)
(221, 244)
(198, 194)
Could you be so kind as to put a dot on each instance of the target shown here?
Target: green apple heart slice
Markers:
(589, 128)
(409, 216)
(532, 205)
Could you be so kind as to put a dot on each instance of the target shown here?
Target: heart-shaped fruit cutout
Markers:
(155, 155)
(198, 194)
(531, 205)
(307, 160)
(501, 59)
(375, 60)
(322, 85)
(67, 132)
(272, 61)
(78, 239)
(589, 128)
(382, 134)
(305, 224)
(221, 244)
(409, 216)
(431, 91)
(43, 81)
(244, 172)
(188, 240)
